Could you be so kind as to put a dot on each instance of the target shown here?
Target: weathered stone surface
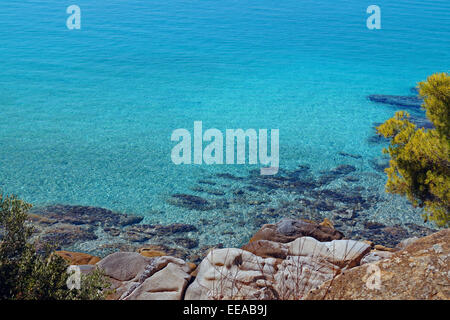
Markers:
(123, 266)
(160, 278)
(148, 252)
(288, 230)
(297, 275)
(376, 255)
(420, 271)
(342, 253)
(166, 284)
(265, 249)
(380, 247)
(347, 253)
(78, 258)
(233, 274)
(272, 270)
(406, 242)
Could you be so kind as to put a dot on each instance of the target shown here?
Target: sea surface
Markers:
(86, 115)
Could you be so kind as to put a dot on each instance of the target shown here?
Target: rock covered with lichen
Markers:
(419, 271)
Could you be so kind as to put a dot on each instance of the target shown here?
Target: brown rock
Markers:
(421, 271)
(191, 265)
(77, 258)
(146, 252)
(39, 219)
(288, 230)
(327, 223)
(265, 249)
(370, 243)
(383, 248)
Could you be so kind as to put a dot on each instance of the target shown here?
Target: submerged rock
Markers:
(196, 203)
(190, 202)
(349, 155)
(335, 173)
(400, 101)
(379, 163)
(85, 215)
(64, 235)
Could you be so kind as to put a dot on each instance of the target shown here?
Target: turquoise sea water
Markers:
(86, 115)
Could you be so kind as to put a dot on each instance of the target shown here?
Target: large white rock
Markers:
(135, 277)
(166, 284)
(239, 274)
(232, 274)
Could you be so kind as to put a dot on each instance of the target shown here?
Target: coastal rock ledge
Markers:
(294, 266)
(420, 271)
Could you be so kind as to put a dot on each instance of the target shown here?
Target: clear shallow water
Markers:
(86, 116)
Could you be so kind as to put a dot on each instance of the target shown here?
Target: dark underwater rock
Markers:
(112, 231)
(160, 230)
(80, 215)
(323, 205)
(190, 202)
(347, 196)
(351, 179)
(134, 236)
(345, 214)
(333, 174)
(228, 176)
(421, 122)
(66, 235)
(214, 192)
(349, 155)
(187, 243)
(373, 225)
(208, 182)
(377, 139)
(343, 169)
(400, 101)
(126, 220)
(379, 164)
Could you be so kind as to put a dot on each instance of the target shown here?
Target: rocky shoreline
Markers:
(100, 232)
(292, 259)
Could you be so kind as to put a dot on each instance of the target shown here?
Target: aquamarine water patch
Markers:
(86, 115)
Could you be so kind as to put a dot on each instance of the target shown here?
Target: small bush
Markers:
(26, 274)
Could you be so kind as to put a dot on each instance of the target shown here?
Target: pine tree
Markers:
(419, 167)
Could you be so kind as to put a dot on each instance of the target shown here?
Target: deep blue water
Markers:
(86, 115)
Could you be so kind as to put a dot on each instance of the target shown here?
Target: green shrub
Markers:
(26, 274)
